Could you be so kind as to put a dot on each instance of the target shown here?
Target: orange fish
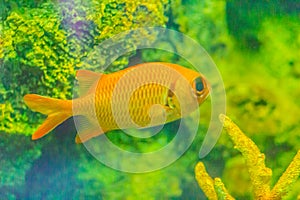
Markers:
(144, 95)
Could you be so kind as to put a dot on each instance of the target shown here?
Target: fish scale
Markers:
(139, 103)
(124, 99)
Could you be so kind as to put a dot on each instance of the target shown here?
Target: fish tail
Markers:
(57, 110)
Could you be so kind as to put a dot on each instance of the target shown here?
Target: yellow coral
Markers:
(213, 189)
(289, 177)
(205, 181)
(221, 190)
(255, 160)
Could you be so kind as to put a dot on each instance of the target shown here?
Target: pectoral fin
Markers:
(169, 100)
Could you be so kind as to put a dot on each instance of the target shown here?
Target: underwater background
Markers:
(255, 45)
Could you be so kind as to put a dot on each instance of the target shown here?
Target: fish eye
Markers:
(198, 85)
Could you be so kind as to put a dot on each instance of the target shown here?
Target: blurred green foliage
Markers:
(162, 184)
(130, 186)
(255, 45)
(15, 164)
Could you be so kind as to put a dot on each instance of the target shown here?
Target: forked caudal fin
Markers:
(57, 110)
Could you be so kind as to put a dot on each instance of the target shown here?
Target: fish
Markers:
(140, 96)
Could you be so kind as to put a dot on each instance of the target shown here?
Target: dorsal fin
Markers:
(87, 80)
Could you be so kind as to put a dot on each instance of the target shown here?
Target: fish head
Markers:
(190, 90)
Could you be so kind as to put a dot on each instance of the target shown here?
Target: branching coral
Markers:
(213, 189)
(289, 177)
(260, 175)
(255, 160)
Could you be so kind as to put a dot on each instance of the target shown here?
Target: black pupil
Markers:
(199, 85)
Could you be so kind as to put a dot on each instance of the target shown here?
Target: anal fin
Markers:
(87, 128)
(87, 135)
